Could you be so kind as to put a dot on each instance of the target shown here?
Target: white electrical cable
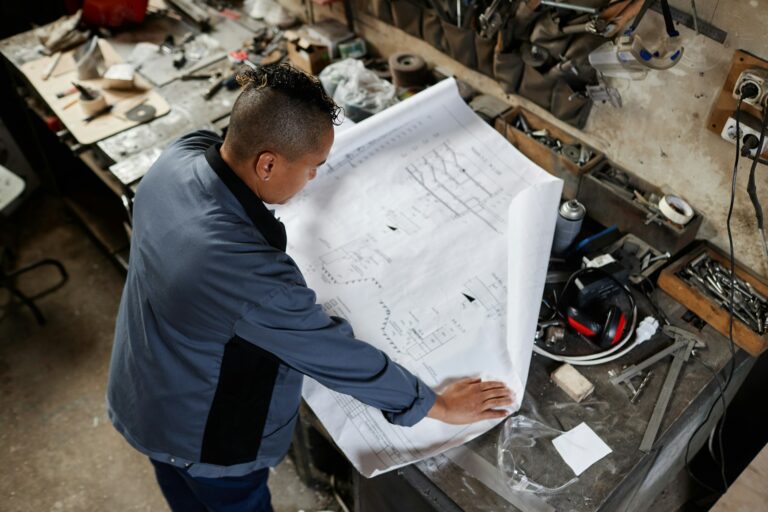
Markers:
(600, 357)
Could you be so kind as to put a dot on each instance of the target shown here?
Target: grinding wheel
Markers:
(408, 70)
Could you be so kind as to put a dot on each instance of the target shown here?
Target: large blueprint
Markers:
(431, 234)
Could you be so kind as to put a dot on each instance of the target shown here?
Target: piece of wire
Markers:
(752, 187)
(706, 420)
(604, 356)
(759, 160)
(765, 243)
(649, 295)
(731, 301)
(730, 322)
(337, 496)
(695, 16)
(592, 238)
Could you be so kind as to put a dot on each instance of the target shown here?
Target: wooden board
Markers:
(725, 104)
(610, 205)
(748, 492)
(709, 311)
(73, 117)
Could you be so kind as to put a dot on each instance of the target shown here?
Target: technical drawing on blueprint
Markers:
(430, 233)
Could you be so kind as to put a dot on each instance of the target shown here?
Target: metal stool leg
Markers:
(42, 263)
(28, 302)
(6, 282)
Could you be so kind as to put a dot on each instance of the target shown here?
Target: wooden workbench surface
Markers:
(749, 492)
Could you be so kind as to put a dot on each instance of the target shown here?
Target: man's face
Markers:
(288, 177)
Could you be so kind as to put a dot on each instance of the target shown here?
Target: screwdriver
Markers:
(107, 109)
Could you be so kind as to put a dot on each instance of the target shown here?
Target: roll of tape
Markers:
(676, 209)
(90, 107)
(408, 70)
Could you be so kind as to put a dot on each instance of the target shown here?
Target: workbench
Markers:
(627, 479)
(101, 208)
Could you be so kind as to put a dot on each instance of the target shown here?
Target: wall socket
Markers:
(759, 78)
(749, 126)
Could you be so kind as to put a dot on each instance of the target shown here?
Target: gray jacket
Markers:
(217, 327)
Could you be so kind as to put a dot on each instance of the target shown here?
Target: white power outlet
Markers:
(758, 77)
(749, 126)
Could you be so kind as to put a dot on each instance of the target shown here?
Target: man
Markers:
(217, 327)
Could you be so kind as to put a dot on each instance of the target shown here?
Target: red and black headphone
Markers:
(603, 325)
(607, 333)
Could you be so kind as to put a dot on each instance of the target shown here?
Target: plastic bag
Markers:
(359, 91)
(523, 445)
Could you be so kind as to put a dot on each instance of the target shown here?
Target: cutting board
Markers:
(73, 117)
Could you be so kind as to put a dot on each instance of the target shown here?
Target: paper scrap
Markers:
(580, 447)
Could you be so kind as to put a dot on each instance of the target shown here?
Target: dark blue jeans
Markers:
(185, 493)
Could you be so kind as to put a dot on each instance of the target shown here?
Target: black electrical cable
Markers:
(597, 270)
(730, 299)
(759, 160)
(721, 400)
(559, 307)
(652, 300)
(752, 188)
(731, 346)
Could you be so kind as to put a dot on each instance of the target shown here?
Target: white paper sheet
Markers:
(580, 447)
(430, 233)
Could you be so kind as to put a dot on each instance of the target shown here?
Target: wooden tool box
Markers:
(609, 204)
(543, 155)
(710, 312)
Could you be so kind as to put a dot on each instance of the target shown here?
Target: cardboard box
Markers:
(306, 54)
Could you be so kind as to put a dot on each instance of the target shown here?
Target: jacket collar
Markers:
(272, 229)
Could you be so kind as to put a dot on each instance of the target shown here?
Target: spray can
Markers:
(568, 225)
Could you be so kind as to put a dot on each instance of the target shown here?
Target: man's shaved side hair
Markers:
(280, 109)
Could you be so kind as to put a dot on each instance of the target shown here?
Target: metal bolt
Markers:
(664, 256)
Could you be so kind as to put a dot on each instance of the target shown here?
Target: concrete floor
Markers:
(58, 450)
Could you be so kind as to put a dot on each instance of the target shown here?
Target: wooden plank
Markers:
(609, 205)
(749, 492)
(73, 117)
(725, 105)
(709, 311)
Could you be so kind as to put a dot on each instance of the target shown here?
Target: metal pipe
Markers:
(572, 7)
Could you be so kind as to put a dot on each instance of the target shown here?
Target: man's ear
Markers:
(264, 165)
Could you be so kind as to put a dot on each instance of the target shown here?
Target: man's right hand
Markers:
(471, 400)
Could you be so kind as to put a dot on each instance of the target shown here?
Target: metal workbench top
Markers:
(626, 479)
(189, 110)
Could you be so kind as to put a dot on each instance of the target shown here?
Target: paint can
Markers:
(571, 216)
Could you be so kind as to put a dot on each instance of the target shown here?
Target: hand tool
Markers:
(641, 388)
(66, 92)
(213, 89)
(85, 93)
(714, 281)
(201, 76)
(105, 110)
(493, 18)
(636, 369)
(70, 104)
(570, 7)
(51, 66)
(681, 356)
(198, 14)
(229, 81)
